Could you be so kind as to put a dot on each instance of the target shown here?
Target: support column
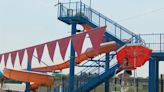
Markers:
(106, 69)
(72, 62)
(161, 82)
(28, 83)
(153, 75)
(63, 86)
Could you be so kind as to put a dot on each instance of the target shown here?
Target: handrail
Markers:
(111, 21)
(154, 41)
(88, 13)
(87, 69)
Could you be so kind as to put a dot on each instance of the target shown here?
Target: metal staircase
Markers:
(82, 14)
(93, 71)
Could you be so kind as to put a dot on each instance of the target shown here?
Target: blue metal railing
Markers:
(93, 69)
(88, 73)
(79, 9)
(83, 75)
(154, 41)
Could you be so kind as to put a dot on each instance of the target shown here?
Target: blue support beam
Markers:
(153, 75)
(28, 83)
(72, 62)
(98, 80)
(63, 86)
(106, 69)
(159, 55)
(110, 36)
(90, 66)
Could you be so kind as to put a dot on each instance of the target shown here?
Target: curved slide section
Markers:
(86, 27)
(105, 48)
(26, 76)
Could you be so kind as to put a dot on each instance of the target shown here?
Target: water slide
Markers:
(29, 76)
(86, 27)
(43, 79)
(89, 53)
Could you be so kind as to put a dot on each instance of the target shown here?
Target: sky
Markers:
(25, 23)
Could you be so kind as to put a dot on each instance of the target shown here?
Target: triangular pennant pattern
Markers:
(13, 57)
(0, 57)
(39, 51)
(21, 55)
(63, 45)
(51, 49)
(30, 52)
(6, 56)
(78, 41)
(96, 37)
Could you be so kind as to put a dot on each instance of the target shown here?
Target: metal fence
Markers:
(154, 41)
(73, 9)
(79, 9)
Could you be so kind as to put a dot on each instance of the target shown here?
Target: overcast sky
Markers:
(25, 23)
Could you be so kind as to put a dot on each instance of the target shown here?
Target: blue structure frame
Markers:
(106, 69)
(98, 80)
(153, 75)
(83, 14)
(28, 83)
(157, 45)
(72, 61)
(156, 57)
(67, 15)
